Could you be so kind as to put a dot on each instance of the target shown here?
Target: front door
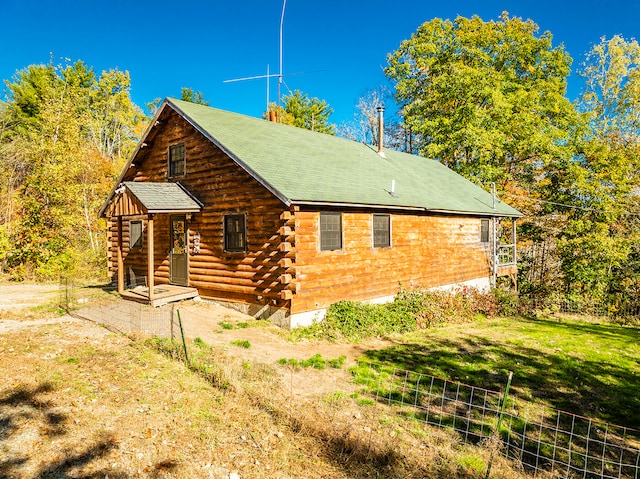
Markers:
(179, 273)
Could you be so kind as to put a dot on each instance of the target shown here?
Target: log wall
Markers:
(224, 188)
(426, 251)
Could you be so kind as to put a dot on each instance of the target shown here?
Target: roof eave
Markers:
(174, 210)
(405, 208)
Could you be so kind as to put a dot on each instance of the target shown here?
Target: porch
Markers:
(161, 295)
(136, 200)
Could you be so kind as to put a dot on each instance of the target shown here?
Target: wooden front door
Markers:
(179, 250)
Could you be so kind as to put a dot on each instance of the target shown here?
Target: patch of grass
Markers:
(337, 363)
(584, 367)
(472, 463)
(251, 323)
(316, 362)
(200, 343)
(335, 397)
(241, 343)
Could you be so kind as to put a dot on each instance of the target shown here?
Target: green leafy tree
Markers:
(599, 244)
(298, 109)
(65, 134)
(485, 98)
(188, 94)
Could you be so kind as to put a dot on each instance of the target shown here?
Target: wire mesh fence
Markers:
(568, 445)
(122, 316)
(546, 442)
(619, 312)
(470, 411)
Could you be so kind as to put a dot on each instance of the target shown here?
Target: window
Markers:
(484, 231)
(330, 231)
(135, 234)
(235, 233)
(381, 231)
(176, 160)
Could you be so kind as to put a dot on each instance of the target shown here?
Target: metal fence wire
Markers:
(546, 442)
(616, 312)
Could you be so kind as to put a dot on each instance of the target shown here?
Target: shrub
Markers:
(508, 301)
(410, 310)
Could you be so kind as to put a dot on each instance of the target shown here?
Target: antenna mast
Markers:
(284, 5)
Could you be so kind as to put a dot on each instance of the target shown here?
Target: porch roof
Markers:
(139, 198)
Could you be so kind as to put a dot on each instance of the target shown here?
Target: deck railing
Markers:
(506, 254)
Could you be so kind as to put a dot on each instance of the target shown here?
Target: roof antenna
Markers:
(284, 4)
(279, 75)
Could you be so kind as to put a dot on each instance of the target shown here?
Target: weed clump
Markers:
(316, 362)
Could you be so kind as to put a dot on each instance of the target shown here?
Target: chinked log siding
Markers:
(223, 188)
(425, 251)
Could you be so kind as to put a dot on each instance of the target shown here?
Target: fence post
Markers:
(184, 344)
(497, 433)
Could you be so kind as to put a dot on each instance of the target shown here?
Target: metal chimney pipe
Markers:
(380, 110)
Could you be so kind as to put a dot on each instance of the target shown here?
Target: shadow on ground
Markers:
(20, 406)
(563, 380)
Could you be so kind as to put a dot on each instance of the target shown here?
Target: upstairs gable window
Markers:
(177, 165)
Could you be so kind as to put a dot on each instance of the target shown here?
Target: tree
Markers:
(612, 89)
(598, 246)
(65, 135)
(485, 98)
(188, 94)
(364, 126)
(304, 112)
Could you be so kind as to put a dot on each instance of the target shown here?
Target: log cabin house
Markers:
(284, 221)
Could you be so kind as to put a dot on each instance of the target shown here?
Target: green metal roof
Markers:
(163, 197)
(302, 166)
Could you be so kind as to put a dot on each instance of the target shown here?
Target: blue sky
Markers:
(339, 45)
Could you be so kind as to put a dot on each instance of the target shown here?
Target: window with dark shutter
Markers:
(235, 233)
(381, 231)
(176, 160)
(484, 231)
(330, 231)
(135, 234)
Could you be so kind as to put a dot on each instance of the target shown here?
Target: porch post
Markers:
(514, 241)
(119, 257)
(150, 257)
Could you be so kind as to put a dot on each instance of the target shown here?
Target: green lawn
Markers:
(583, 367)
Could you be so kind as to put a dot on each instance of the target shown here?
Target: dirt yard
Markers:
(80, 401)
